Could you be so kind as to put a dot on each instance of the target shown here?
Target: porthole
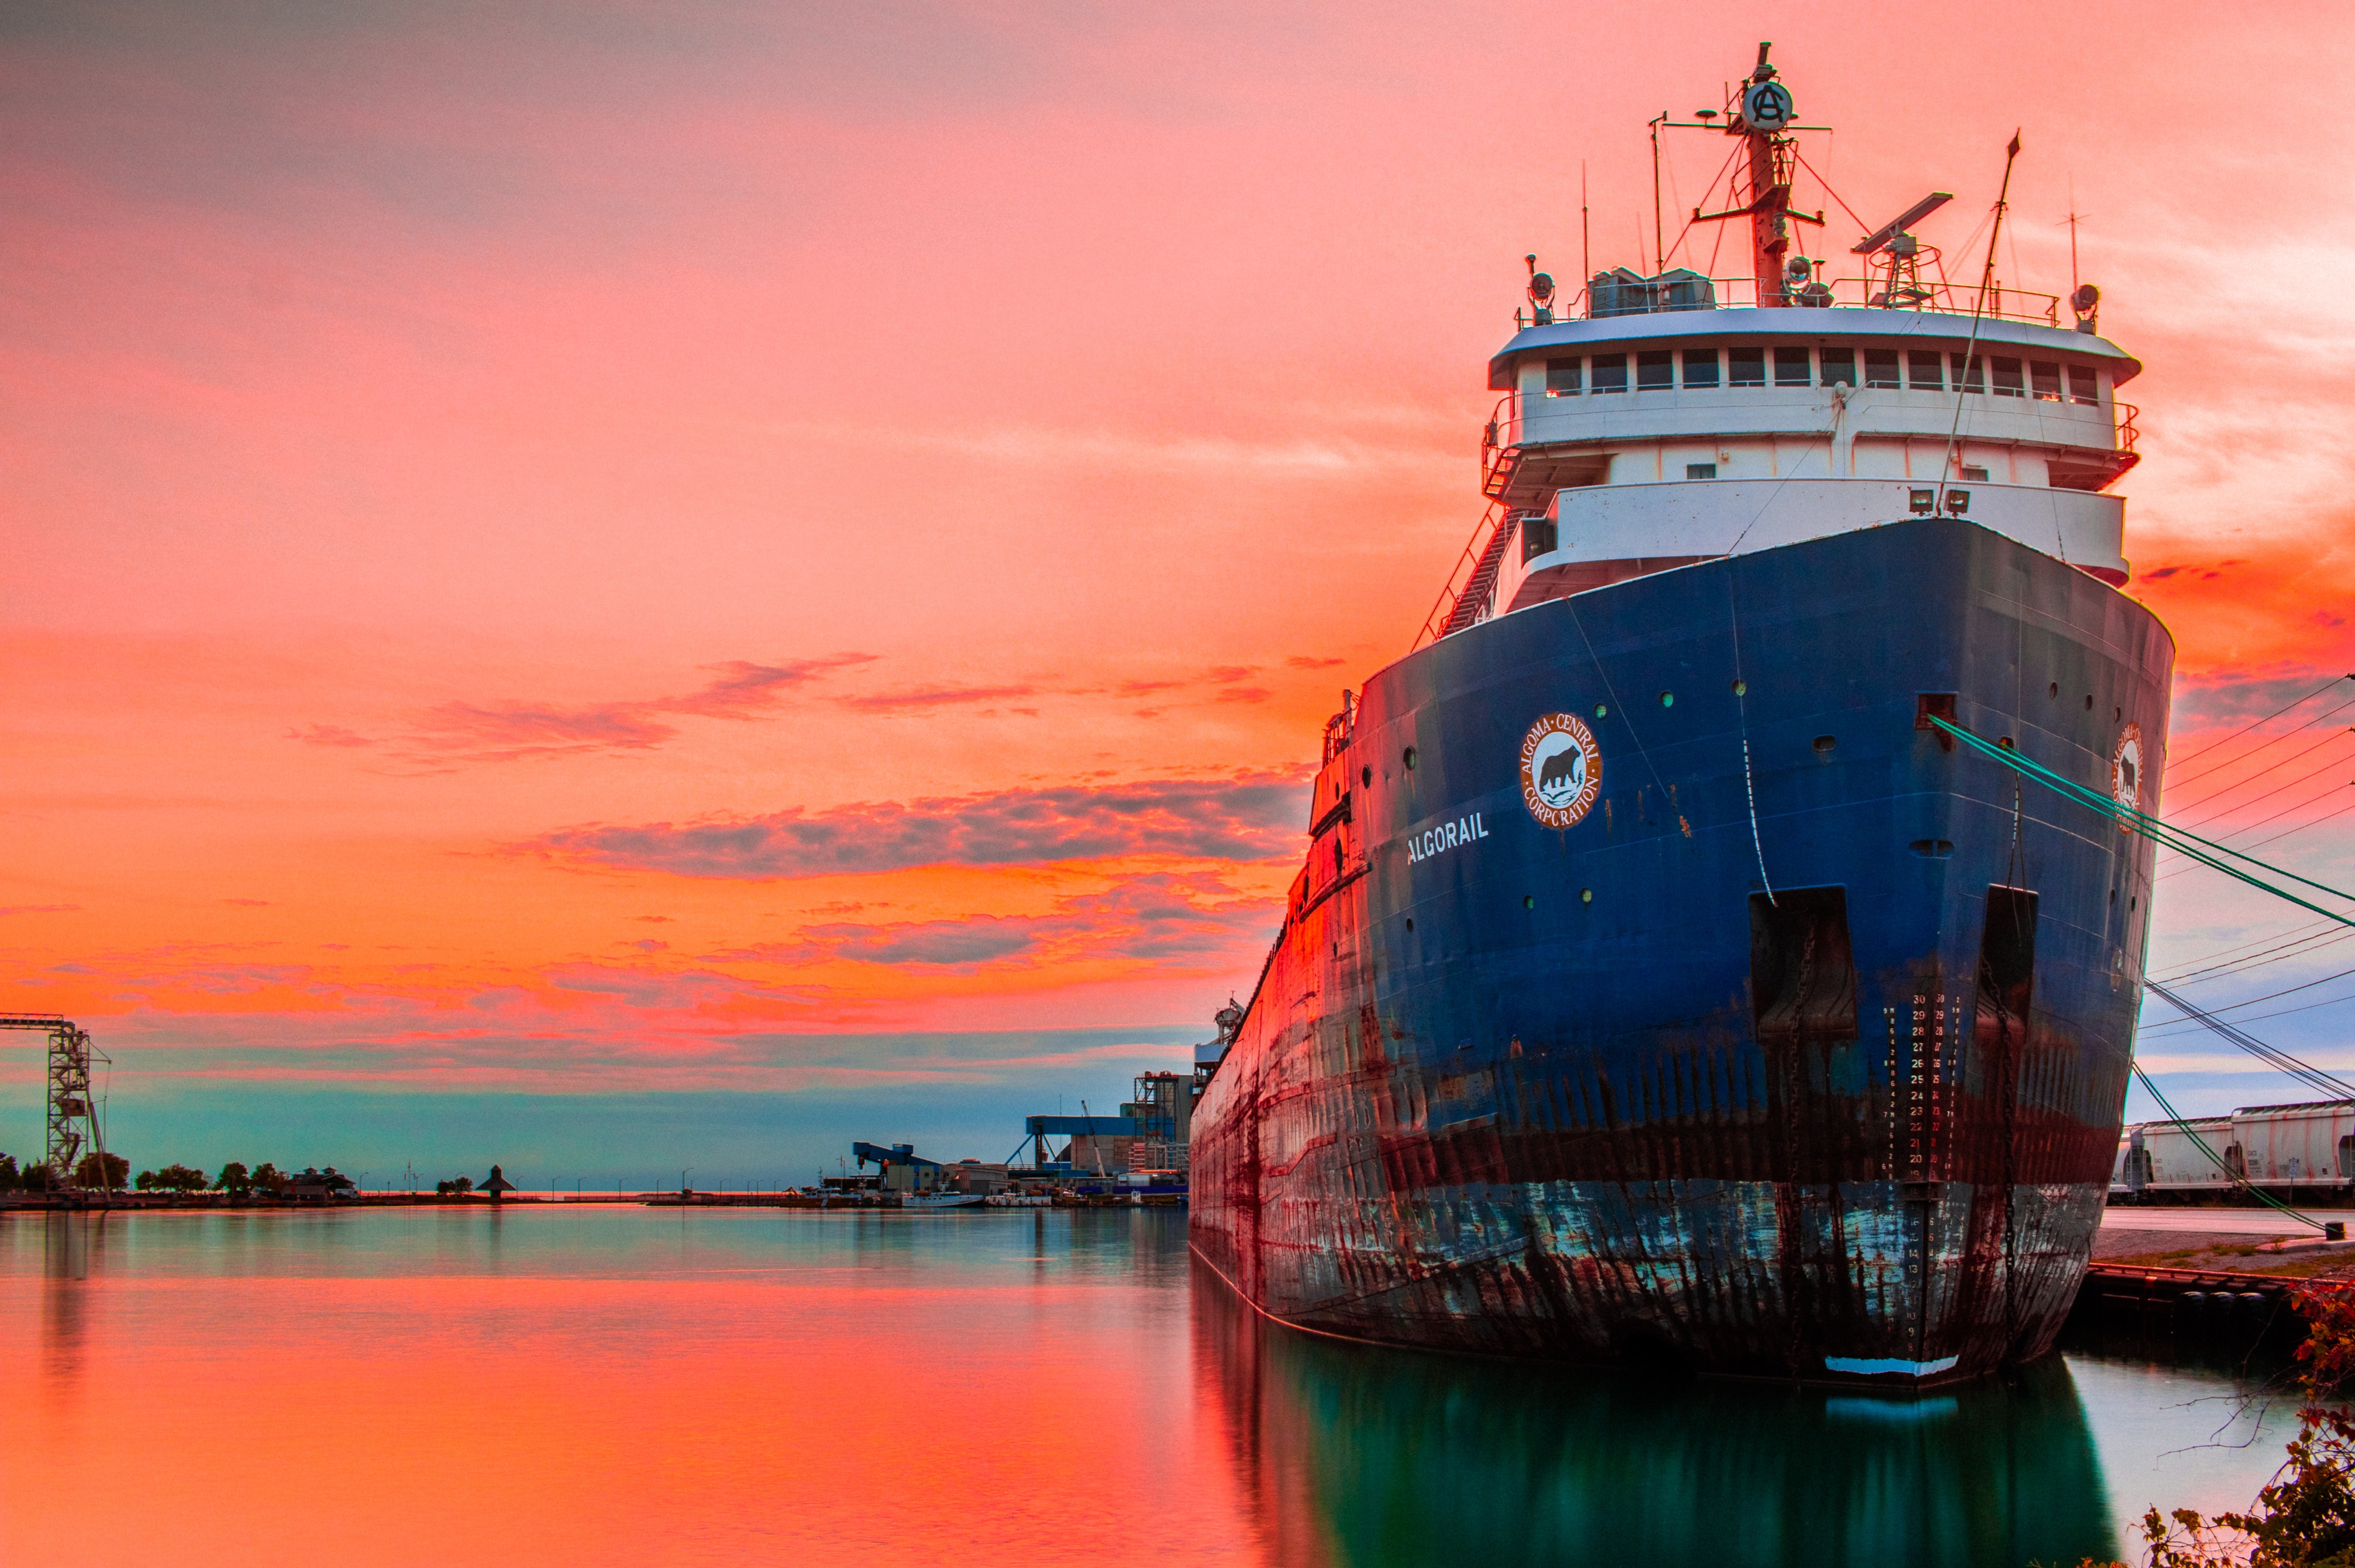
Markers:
(2089, 702)
(2054, 690)
(1668, 699)
(1586, 895)
(1366, 777)
(1825, 744)
(1409, 759)
(2004, 741)
(1409, 923)
(1529, 901)
(1741, 689)
(1601, 711)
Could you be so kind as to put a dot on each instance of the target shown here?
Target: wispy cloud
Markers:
(1249, 816)
(512, 730)
(1170, 919)
(929, 697)
(328, 735)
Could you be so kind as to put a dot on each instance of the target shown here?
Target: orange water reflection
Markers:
(996, 1392)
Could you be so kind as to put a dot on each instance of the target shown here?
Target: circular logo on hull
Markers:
(1561, 769)
(2126, 768)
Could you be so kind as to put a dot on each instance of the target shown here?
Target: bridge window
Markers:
(1562, 378)
(1881, 367)
(1791, 367)
(2082, 387)
(1700, 470)
(1839, 365)
(1745, 366)
(1927, 371)
(1656, 370)
(1609, 373)
(1974, 378)
(1700, 366)
(2008, 382)
(1539, 536)
(2045, 377)
(1974, 475)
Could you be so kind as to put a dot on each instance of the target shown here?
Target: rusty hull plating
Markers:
(1591, 1091)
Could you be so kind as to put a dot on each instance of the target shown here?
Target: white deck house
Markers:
(1632, 443)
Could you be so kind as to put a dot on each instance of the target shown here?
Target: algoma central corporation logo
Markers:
(1561, 769)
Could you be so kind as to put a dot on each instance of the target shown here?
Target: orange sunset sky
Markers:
(614, 583)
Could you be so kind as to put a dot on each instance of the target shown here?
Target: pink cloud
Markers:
(929, 697)
(1168, 918)
(1248, 817)
(328, 735)
(512, 731)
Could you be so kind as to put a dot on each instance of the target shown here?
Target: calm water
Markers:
(634, 1386)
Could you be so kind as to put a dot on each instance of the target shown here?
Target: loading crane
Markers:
(72, 1110)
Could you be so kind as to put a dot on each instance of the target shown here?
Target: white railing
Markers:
(1929, 296)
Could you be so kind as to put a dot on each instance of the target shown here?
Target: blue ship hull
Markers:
(1801, 1053)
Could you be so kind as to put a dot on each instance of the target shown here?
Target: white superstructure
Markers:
(1654, 424)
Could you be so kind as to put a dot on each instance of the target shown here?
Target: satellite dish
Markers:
(1880, 238)
(2083, 301)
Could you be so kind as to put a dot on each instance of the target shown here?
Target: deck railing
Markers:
(1930, 296)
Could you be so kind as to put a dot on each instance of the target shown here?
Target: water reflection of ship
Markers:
(1351, 1454)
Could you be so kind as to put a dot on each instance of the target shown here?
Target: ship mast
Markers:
(1763, 110)
(1761, 115)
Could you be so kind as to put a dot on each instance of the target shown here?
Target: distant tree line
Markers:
(36, 1176)
(236, 1179)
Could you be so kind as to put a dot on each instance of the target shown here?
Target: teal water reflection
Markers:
(1359, 1456)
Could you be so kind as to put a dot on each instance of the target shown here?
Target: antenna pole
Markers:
(2073, 237)
(1970, 347)
(1585, 239)
(1659, 239)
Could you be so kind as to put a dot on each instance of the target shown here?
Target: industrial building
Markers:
(1141, 1151)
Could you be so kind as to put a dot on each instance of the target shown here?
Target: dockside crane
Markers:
(73, 1125)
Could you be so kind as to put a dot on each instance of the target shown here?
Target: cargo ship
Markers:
(1663, 982)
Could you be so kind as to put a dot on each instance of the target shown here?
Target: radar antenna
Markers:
(1902, 253)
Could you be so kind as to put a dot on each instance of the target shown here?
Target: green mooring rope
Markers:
(2182, 843)
(2189, 844)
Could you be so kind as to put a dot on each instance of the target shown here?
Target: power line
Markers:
(2221, 791)
(2277, 817)
(2268, 719)
(2304, 1073)
(2217, 967)
(2165, 1030)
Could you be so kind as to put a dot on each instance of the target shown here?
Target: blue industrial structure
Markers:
(1037, 1130)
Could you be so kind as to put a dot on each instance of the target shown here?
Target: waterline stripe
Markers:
(1865, 1367)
